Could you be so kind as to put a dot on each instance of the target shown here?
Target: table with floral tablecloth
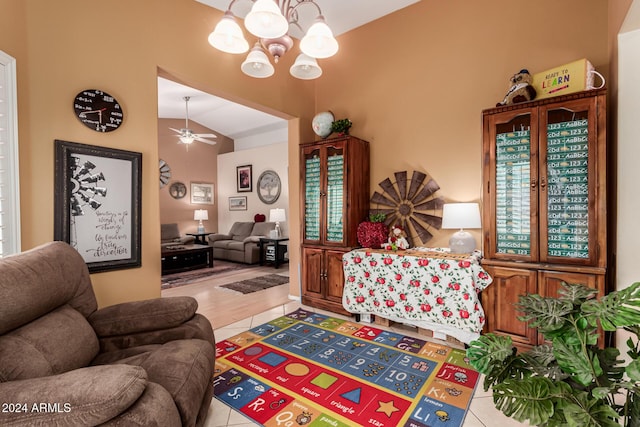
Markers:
(425, 287)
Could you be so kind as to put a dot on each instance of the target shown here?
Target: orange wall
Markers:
(413, 83)
(65, 46)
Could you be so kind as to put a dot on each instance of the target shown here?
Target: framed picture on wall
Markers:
(97, 203)
(268, 187)
(201, 193)
(238, 203)
(244, 178)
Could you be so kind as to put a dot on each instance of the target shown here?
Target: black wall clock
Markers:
(98, 110)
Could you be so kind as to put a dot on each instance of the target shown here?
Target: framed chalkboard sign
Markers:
(97, 204)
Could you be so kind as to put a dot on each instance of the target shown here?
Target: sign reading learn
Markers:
(568, 78)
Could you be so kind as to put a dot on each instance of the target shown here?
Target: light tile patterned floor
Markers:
(482, 413)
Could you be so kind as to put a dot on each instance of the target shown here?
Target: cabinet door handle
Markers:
(543, 183)
(534, 183)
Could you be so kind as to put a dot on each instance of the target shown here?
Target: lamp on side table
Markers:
(461, 215)
(200, 215)
(277, 216)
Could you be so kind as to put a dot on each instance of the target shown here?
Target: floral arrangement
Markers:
(397, 239)
(373, 233)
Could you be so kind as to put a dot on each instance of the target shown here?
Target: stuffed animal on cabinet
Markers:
(521, 89)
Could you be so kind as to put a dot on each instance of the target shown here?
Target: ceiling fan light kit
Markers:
(270, 21)
(186, 135)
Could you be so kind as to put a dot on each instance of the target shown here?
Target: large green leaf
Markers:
(616, 309)
(487, 349)
(611, 365)
(495, 357)
(544, 313)
(541, 361)
(633, 370)
(576, 294)
(580, 363)
(530, 400)
(586, 411)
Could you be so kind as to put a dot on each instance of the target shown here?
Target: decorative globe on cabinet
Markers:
(322, 123)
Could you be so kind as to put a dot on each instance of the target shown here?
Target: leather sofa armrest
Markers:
(142, 316)
(85, 396)
(216, 237)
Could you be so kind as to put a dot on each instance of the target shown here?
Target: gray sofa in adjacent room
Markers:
(170, 235)
(241, 243)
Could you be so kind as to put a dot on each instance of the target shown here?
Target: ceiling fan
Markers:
(186, 135)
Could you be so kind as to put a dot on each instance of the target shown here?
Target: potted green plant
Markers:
(341, 126)
(373, 233)
(570, 381)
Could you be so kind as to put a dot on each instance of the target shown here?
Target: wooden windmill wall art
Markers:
(411, 204)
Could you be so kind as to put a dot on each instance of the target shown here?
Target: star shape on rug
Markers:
(387, 408)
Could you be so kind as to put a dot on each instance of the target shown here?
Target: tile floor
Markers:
(482, 413)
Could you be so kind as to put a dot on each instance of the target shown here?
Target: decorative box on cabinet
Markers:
(544, 203)
(335, 195)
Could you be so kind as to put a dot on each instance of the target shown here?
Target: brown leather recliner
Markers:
(64, 362)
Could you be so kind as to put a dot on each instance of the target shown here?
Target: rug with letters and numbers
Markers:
(310, 369)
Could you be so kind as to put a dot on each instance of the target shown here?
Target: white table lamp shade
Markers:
(200, 215)
(461, 215)
(277, 216)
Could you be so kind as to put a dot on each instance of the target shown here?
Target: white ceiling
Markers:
(237, 121)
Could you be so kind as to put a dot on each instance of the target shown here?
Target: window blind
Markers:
(9, 178)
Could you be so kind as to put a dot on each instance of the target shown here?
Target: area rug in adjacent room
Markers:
(257, 283)
(187, 277)
(305, 368)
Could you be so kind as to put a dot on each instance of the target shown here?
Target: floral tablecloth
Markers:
(425, 287)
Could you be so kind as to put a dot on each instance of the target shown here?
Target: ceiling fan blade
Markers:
(206, 141)
(176, 130)
(205, 135)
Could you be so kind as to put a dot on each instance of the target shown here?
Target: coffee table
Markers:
(177, 258)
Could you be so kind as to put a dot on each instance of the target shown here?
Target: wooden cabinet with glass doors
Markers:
(335, 199)
(544, 203)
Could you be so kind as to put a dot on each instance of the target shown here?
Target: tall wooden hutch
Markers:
(335, 192)
(544, 203)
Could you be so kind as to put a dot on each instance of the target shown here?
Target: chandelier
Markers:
(270, 21)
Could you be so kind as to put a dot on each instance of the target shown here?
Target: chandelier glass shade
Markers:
(257, 64)
(270, 21)
(228, 36)
(305, 68)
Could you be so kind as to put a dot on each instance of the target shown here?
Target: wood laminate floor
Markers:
(222, 306)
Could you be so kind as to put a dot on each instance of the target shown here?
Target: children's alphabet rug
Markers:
(310, 369)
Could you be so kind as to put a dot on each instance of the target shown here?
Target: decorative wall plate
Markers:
(269, 187)
(165, 173)
(411, 204)
(177, 190)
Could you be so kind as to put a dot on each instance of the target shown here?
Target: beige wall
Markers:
(413, 83)
(270, 157)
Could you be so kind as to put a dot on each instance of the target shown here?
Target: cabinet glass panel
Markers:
(335, 195)
(568, 183)
(312, 197)
(513, 180)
